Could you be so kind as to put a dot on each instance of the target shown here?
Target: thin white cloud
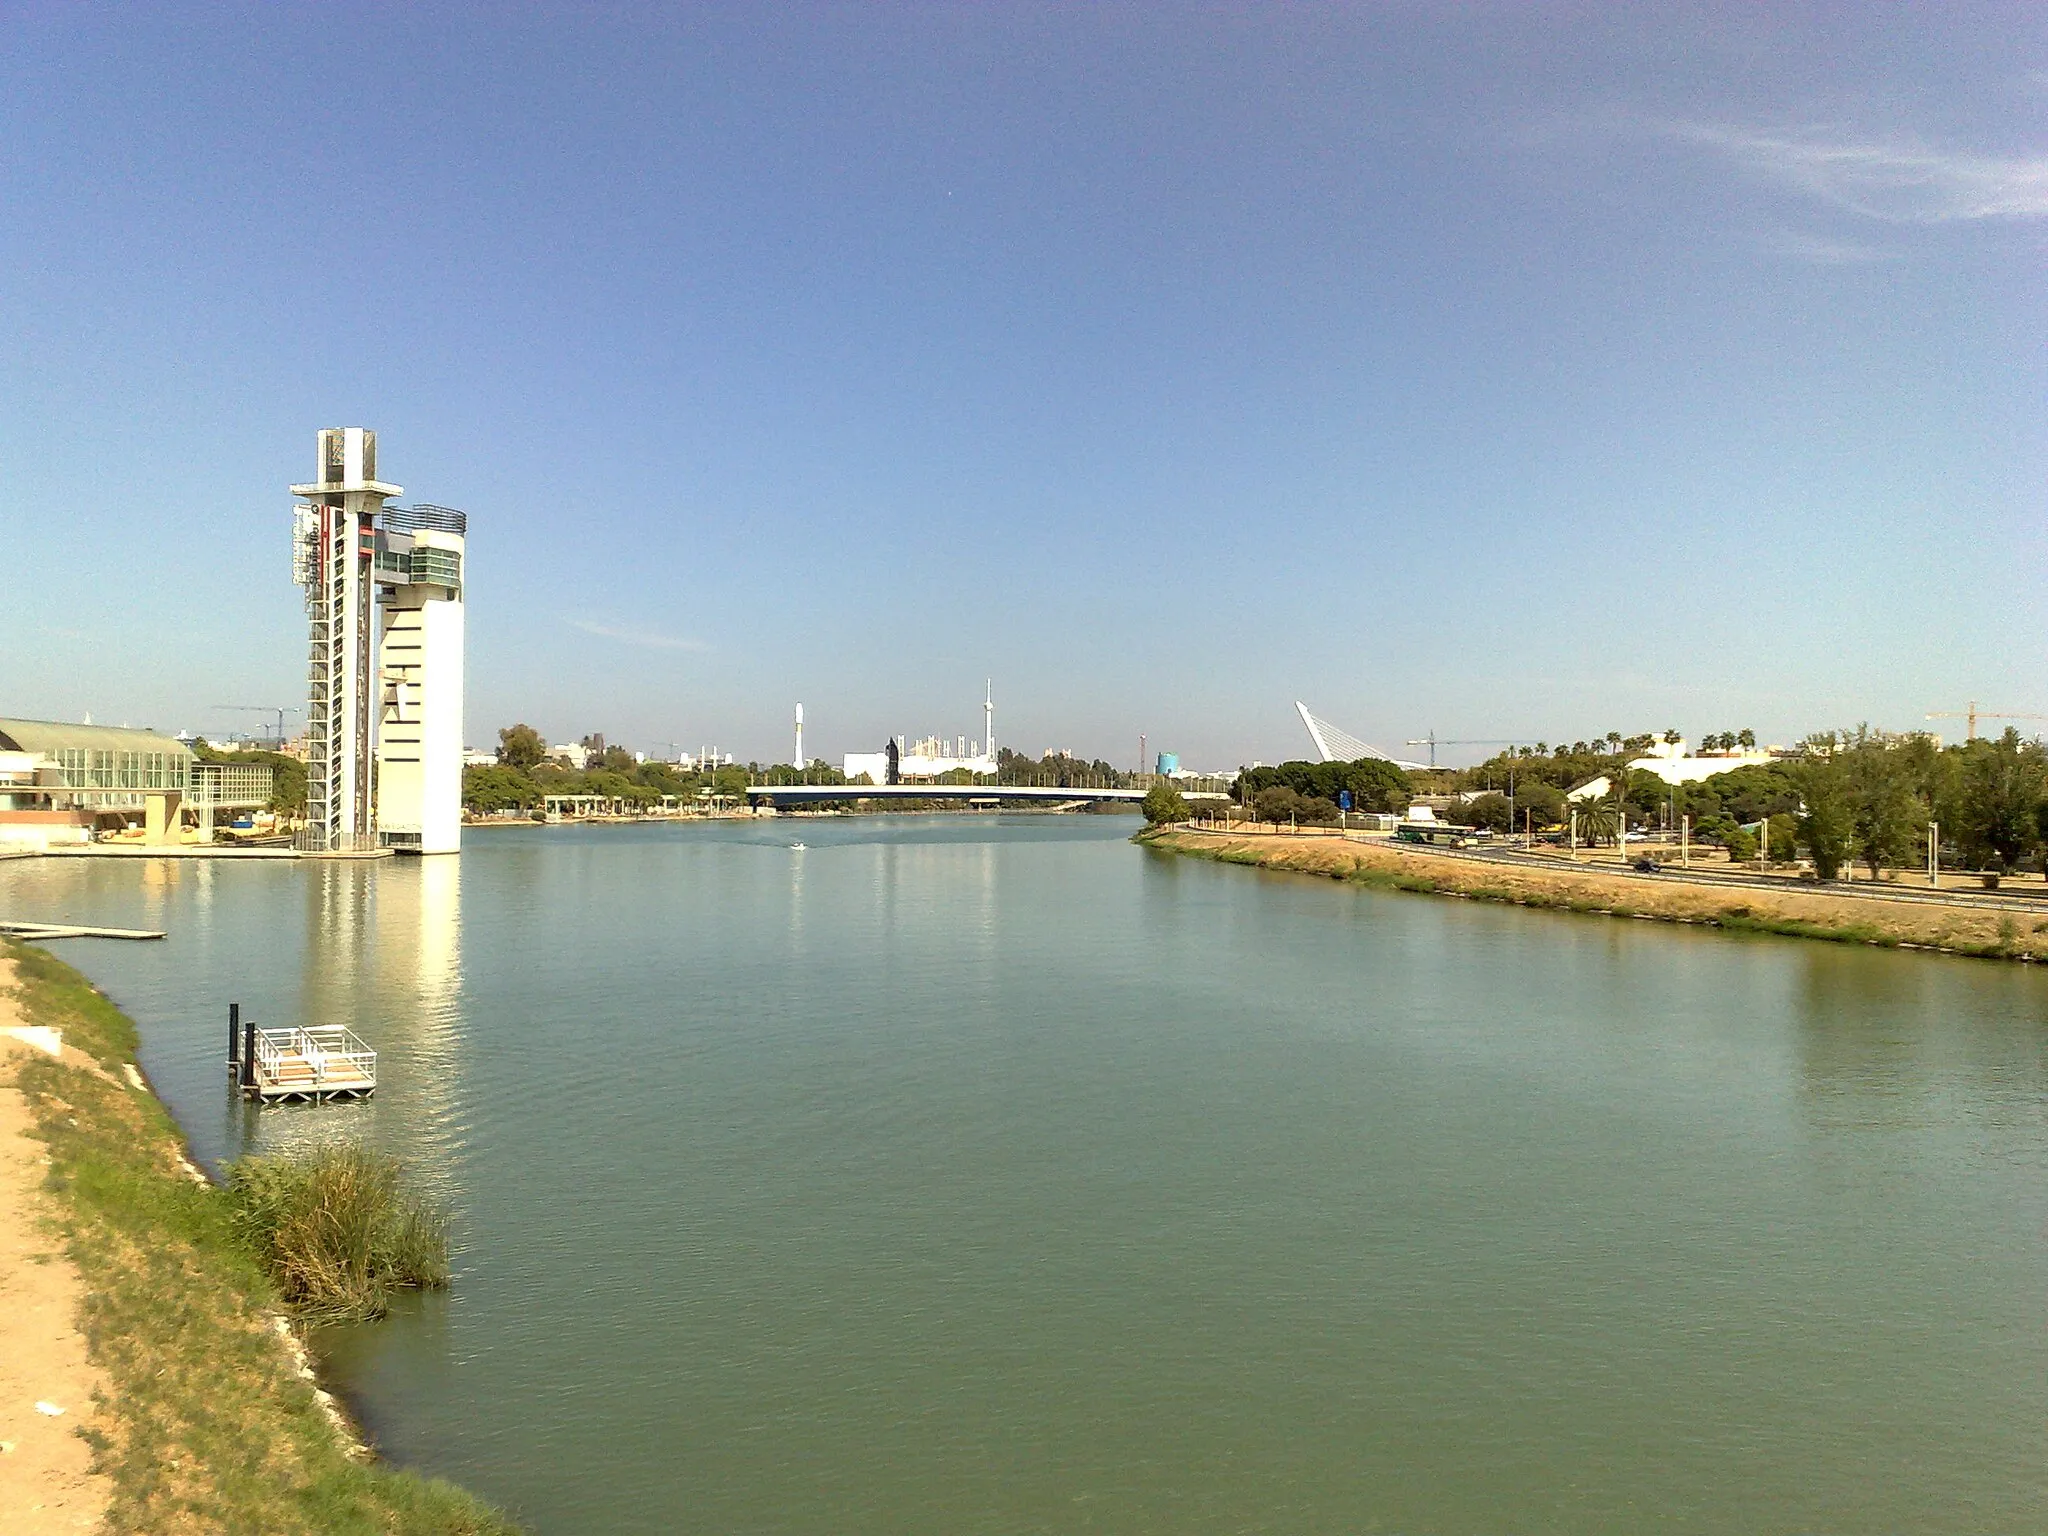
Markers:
(1894, 181)
(1821, 250)
(645, 639)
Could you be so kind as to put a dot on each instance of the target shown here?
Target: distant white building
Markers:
(1669, 761)
(930, 757)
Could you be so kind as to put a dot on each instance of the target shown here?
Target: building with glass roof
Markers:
(58, 782)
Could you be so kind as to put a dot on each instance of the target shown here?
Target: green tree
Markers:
(1544, 803)
(1163, 803)
(1276, 803)
(1598, 821)
(1648, 794)
(1753, 793)
(521, 747)
(488, 789)
(1828, 824)
(1783, 832)
(1374, 783)
(1993, 799)
(1490, 812)
(1886, 777)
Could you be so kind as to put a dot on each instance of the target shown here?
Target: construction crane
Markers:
(266, 709)
(1972, 713)
(1432, 742)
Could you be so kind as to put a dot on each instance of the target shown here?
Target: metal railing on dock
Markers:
(302, 1064)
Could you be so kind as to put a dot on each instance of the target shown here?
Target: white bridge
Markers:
(1017, 794)
(1334, 744)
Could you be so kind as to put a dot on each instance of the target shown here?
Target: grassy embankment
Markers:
(211, 1424)
(1834, 914)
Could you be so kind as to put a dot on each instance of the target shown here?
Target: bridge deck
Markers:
(1020, 793)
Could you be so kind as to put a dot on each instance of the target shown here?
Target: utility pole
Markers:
(1685, 842)
(1934, 853)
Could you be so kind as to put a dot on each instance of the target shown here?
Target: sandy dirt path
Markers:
(46, 1478)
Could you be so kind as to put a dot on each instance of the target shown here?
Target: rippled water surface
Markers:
(970, 1174)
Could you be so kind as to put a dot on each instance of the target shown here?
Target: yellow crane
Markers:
(1971, 714)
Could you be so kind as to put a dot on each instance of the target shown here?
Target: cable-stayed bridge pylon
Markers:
(1334, 744)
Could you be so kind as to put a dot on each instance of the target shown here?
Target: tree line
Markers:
(1862, 796)
(525, 774)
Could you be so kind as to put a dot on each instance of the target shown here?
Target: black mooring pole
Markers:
(234, 1039)
(249, 1054)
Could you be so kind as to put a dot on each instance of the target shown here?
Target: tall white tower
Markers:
(799, 758)
(988, 719)
(419, 675)
(333, 530)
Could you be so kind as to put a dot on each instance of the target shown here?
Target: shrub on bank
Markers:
(1164, 803)
(337, 1230)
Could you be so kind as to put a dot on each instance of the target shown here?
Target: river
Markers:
(977, 1174)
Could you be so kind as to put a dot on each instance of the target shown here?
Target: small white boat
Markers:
(796, 848)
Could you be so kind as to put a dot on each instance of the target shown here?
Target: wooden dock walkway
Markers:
(41, 931)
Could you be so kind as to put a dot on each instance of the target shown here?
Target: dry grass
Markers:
(1834, 915)
(337, 1232)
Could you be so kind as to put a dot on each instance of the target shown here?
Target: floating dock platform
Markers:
(299, 1065)
(40, 931)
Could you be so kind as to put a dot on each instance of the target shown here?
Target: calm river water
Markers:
(993, 1175)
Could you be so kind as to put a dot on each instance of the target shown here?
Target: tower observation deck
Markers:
(392, 691)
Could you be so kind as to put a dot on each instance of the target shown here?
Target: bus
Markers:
(1437, 834)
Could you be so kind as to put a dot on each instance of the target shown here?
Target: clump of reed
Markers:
(337, 1230)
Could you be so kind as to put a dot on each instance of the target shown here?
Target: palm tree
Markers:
(1597, 822)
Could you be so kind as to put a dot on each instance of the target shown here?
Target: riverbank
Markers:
(200, 1413)
(1835, 913)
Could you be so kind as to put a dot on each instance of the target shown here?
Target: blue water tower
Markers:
(1169, 762)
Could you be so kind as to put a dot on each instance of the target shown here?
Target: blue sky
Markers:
(1510, 371)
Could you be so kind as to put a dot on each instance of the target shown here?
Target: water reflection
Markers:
(1895, 1040)
(419, 943)
(383, 956)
